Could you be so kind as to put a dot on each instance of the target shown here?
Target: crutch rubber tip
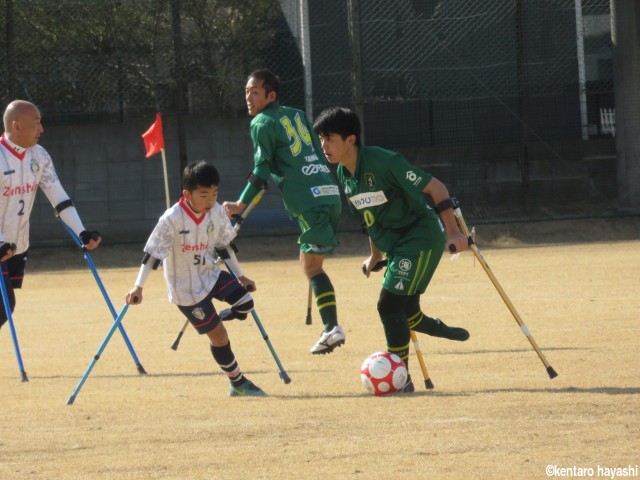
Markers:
(428, 384)
(452, 248)
(552, 373)
(308, 319)
(141, 370)
(285, 378)
(72, 399)
(23, 377)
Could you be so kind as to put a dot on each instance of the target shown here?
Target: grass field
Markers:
(493, 414)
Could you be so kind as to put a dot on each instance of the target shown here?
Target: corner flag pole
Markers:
(166, 178)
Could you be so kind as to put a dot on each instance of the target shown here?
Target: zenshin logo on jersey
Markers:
(201, 247)
(19, 190)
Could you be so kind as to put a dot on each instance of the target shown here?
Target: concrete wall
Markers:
(121, 193)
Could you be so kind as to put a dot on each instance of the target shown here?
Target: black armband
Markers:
(223, 253)
(156, 262)
(446, 204)
(256, 182)
(63, 205)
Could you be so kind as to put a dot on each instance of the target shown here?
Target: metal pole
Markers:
(355, 38)
(523, 100)
(581, 70)
(305, 48)
(180, 86)
(12, 77)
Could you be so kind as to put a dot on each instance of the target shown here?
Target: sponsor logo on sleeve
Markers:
(325, 190)
(413, 178)
(369, 199)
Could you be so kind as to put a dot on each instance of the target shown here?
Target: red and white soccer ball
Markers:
(383, 373)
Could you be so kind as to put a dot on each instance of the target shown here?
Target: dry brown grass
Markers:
(494, 412)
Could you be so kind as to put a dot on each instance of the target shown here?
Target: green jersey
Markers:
(287, 148)
(387, 191)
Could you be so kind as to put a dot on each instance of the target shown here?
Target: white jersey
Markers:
(22, 171)
(186, 242)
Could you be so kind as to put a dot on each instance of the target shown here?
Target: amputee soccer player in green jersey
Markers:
(388, 192)
(287, 149)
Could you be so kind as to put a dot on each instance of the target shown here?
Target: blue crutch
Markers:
(283, 374)
(12, 328)
(116, 324)
(85, 252)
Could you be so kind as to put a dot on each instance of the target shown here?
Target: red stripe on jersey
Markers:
(185, 206)
(19, 156)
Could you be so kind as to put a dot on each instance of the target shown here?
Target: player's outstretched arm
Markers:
(149, 263)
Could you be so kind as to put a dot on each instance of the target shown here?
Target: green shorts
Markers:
(410, 274)
(319, 227)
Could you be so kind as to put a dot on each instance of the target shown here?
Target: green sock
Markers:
(325, 300)
(419, 322)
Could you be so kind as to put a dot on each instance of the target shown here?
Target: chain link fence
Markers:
(502, 99)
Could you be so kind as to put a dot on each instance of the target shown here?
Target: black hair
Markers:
(338, 120)
(270, 81)
(199, 174)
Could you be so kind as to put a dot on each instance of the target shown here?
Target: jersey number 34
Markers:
(297, 134)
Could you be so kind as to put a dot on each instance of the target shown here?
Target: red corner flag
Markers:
(153, 140)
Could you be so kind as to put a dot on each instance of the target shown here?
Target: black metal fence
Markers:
(501, 99)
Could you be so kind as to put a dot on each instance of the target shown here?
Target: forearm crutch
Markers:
(465, 230)
(12, 328)
(93, 269)
(283, 374)
(428, 384)
(103, 345)
(239, 219)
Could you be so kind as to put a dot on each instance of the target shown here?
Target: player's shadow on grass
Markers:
(568, 390)
(166, 374)
(505, 350)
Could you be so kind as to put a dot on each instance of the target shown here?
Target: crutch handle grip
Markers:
(377, 267)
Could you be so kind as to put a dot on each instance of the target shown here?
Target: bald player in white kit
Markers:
(24, 167)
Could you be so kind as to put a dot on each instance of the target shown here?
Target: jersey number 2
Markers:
(21, 212)
(297, 135)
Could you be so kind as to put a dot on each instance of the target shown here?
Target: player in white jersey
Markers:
(24, 167)
(186, 240)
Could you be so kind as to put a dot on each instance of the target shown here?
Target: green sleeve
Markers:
(263, 137)
(262, 171)
(408, 177)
